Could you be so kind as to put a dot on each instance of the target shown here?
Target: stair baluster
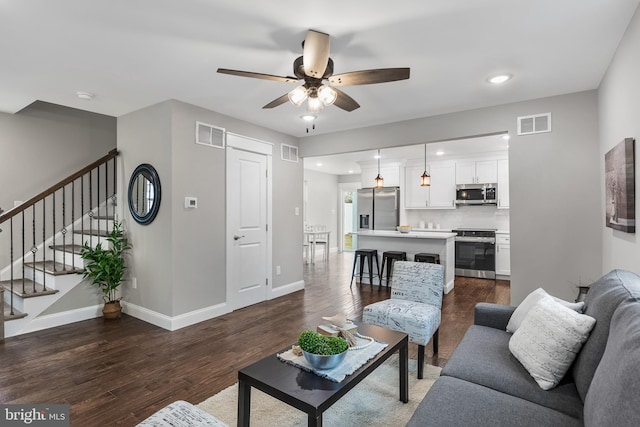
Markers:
(34, 248)
(44, 238)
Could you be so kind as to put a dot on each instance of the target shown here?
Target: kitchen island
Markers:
(433, 242)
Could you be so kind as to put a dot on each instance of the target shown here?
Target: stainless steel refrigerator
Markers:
(378, 208)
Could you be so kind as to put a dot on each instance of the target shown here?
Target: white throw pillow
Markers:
(548, 340)
(532, 299)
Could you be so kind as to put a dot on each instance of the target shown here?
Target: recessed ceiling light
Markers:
(377, 156)
(506, 137)
(318, 164)
(85, 95)
(350, 170)
(439, 153)
(499, 79)
(308, 117)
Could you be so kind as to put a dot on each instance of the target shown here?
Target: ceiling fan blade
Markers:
(315, 55)
(278, 101)
(367, 77)
(258, 75)
(345, 102)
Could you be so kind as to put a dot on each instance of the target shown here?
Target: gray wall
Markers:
(619, 115)
(41, 145)
(45, 143)
(555, 215)
(323, 204)
(145, 136)
(179, 259)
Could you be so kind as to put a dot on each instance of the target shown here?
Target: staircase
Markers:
(48, 234)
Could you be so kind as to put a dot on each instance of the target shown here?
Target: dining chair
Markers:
(322, 240)
(414, 306)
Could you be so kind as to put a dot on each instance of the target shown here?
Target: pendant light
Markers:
(379, 180)
(425, 179)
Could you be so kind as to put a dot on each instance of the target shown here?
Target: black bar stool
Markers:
(391, 256)
(430, 258)
(370, 255)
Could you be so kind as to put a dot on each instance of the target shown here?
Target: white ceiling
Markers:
(132, 54)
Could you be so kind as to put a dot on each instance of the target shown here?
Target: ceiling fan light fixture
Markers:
(308, 117)
(298, 95)
(327, 95)
(314, 105)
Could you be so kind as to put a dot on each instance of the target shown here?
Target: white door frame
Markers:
(343, 187)
(240, 142)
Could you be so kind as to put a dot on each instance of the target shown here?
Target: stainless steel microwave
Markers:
(476, 194)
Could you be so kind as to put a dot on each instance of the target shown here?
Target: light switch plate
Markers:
(190, 202)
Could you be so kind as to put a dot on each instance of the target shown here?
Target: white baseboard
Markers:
(283, 290)
(63, 318)
(448, 287)
(149, 316)
(177, 322)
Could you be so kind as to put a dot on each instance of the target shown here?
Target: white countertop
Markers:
(442, 235)
(432, 230)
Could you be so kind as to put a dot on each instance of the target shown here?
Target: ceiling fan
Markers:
(314, 67)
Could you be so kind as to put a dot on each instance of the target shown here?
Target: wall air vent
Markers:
(210, 135)
(538, 123)
(289, 153)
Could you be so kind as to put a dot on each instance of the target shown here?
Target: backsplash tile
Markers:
(462, 217)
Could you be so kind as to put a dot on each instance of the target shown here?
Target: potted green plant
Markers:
(322, 352)
(105, 267)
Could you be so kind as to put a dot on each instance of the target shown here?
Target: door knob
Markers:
(236, 237)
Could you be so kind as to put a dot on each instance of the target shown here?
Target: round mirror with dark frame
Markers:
(144, 194)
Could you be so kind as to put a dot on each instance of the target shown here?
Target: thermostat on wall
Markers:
(190, 202)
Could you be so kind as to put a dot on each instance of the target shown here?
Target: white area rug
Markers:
(373, 402)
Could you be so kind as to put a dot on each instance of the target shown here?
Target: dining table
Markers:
(312, 238)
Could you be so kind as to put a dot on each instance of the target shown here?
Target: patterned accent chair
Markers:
(415, 304)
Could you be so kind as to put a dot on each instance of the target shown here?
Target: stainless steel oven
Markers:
(476, 253)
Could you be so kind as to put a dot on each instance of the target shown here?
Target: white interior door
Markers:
(247, 228)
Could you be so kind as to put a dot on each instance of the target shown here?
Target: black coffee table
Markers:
(309, 392)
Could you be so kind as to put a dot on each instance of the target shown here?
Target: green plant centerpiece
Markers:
(105, 267)
(322, 352)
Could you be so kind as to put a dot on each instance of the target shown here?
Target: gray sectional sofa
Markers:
(483, 384)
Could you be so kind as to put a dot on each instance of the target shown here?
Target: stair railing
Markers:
(51, 215)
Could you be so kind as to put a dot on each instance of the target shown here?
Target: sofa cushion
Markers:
(530, 301)
(614, 395)
(483, 357)
(603, 298)
(453, 402)
(548, 340)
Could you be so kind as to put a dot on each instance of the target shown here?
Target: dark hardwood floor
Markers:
(120, 372)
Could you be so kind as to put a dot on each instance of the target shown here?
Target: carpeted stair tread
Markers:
(73, 249)
(52, 267)
(16, 314)
(28, 287)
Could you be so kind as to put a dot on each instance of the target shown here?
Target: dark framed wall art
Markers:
(620, 197)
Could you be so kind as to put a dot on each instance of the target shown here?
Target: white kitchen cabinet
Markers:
(503, 184)
(390, 174)
(415, 195)
(503, 254)
(476, 171)
(442, 193)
